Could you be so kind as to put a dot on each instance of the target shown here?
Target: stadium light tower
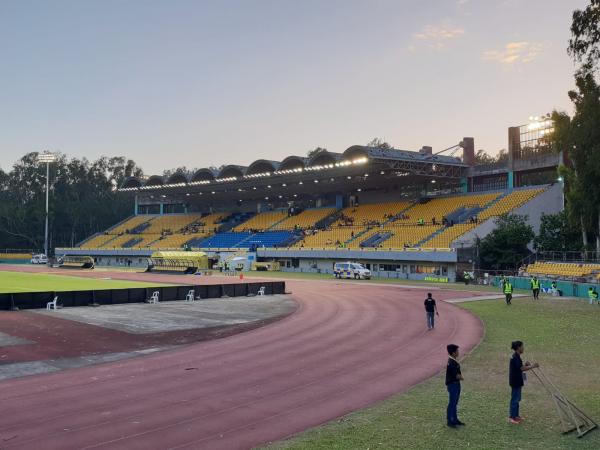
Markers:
(46, 158)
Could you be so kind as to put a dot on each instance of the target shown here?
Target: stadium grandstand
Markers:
(411, 214)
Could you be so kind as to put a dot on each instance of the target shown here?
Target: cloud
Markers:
(522, 52)
(436, 36)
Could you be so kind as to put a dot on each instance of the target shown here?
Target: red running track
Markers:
(346, 347)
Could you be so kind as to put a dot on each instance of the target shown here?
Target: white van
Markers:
(351, 270)
(39, 259)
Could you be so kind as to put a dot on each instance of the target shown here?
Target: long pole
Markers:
(47, 189)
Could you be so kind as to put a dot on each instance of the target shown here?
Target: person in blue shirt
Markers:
(516, 380)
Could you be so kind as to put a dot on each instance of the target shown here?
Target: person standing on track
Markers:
(430, 311)
(516, 380)
(453, 379)
(535, 288)
(508, 288)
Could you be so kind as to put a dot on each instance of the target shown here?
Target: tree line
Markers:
(82, 200)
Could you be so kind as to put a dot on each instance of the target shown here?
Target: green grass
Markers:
(562, 335)
(13, 282)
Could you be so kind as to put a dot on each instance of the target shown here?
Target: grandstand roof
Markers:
(353, 161)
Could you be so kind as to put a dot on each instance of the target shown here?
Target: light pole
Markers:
(561, 180)
(47, 158)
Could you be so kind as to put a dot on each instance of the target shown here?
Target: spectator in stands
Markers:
(516, 380)
(535, 288)
(433, 221)
(421, 221)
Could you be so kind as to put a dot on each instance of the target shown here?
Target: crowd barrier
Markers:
(567, 288)
(36, 300)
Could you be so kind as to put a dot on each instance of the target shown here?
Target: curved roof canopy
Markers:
(262, 166)
(177, 177)
(205, 174)
(132, 182)
(292, 162)
(231, 171)
(155, 180)
(356, 151)
(324, 158)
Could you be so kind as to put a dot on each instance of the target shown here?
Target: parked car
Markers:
(39, 259)
(351, 270)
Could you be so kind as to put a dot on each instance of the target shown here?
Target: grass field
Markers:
(562, 335)
(14, 282)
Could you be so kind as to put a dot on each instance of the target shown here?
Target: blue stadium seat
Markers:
(244, 239)
(222, 240)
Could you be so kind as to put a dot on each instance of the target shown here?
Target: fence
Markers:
(567, 288)
(33, 300)
(581, 257)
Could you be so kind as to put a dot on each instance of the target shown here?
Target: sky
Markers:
(199, 83)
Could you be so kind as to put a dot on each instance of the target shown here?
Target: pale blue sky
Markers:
(197, 83)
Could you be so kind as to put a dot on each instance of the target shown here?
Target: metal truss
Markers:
(429, 169)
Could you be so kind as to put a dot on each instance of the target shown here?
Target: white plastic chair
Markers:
(190, 296)
(154, 297)
(261, 291)
(52, 304)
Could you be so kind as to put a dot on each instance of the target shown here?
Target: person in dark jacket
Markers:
(430, 311)
(453, 379)
(516, 380)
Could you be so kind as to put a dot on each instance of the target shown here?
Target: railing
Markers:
(569, 256)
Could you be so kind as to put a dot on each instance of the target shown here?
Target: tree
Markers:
(584, 45)
(379, 143)
(557, 233)
(502, 156)
(183, 170)
(83, 199)
(580, 137)
(483, 158)
(506, 245)
(316, 150)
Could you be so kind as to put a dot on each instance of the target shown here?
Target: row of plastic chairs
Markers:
(154, 298)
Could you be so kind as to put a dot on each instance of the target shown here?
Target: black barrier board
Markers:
(33, 300)
(5, 301)
(228, 290)
(214, 291)
(170, 294)
(201, 291)
(240, 290)
(103, 297)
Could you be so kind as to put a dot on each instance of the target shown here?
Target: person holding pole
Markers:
(535, 288)
(516, 380)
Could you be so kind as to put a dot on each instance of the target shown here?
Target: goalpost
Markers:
(571, 417)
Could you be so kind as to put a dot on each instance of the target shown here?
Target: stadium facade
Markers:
(409, 214)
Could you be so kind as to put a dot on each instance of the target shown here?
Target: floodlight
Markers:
(46, 157)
